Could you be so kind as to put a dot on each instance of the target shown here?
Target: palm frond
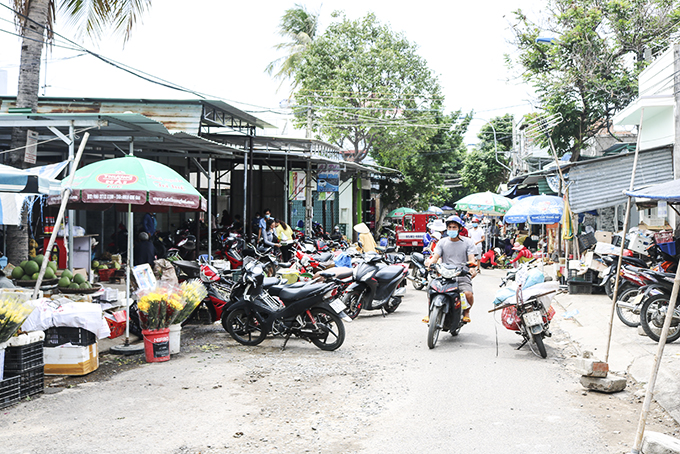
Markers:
(94, 17)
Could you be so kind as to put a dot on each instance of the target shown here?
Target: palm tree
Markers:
(300, 26)
(34, 19)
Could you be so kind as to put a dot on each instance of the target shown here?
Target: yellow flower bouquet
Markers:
(13, 312)
(159, 307)
(192, 292)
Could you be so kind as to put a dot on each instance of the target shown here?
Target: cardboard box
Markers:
(639, 243)
(71, 360)
(603, 237)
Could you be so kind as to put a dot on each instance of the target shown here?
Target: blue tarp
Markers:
(669, 191)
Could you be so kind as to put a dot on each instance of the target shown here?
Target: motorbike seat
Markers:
(418, 257)
(191, 269)
(323, 257)
(389, 273)
(635, 261)
(289, 293)
(270, 281)
(274, 290)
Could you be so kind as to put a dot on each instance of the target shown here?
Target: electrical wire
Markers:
(46, 141)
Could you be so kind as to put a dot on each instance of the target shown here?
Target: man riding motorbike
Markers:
(457, 251)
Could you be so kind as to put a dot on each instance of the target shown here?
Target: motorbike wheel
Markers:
(628, 316)
(244, 328)
(435, 326)
(609, 288)
(652, 316)
(417, 283)
(354, 303)
(331, 330)
(538, 340)
(393, 304)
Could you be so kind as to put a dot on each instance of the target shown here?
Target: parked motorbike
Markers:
(445, 302)
(219, 288)
(376, 286)
(655, 303)
(420, 274)
(308, 312)
(529, 314)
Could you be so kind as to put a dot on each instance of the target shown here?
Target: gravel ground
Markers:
(382, 391)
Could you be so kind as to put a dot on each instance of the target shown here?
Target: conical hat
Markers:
(361, 228)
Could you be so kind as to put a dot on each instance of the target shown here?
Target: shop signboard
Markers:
(328, 177)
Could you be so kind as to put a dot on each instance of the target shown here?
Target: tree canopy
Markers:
(587, 69)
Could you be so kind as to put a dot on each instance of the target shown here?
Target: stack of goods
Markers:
(13, 312)
(28, 271)
(24, 359)
(70, 351)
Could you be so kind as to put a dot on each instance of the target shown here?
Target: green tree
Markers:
(363, 86)
(481, 171)
(586, 73)
(35, 19)
(299, 26)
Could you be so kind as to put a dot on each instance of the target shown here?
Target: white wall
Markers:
(3, 82)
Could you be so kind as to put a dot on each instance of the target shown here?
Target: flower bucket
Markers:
(156, 345)
(175, 336)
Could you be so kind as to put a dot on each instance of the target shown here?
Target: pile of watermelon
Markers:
(69, 280)
(28, 270)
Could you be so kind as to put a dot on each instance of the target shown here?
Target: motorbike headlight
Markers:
(448, 273)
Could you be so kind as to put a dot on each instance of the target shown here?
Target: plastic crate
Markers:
(64, 334)
(31, 381)
(10, 391)
(668, 248)
(580, 288)
(587, 240)
(663, 237)
(105, 275)
(585, 277)
(24, 357)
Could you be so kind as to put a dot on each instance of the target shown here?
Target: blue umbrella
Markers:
(540, 209)
(447, 208)
(434, 209)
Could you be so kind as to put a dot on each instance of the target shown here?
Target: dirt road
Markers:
(382, 391)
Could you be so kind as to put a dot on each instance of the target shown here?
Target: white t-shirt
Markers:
(476, 235)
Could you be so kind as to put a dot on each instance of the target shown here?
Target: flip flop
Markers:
(466, 319)
(426, 320)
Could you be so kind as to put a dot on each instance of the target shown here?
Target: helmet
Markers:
(497, 250)
(143, 236)
(456, 219)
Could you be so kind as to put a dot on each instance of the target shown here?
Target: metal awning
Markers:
(669, 191)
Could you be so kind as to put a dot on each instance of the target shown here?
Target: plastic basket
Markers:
(585, 277)
(663, 237)
(31, 381)
(63, 335)
(24, 357)
(580, 288)
(587, 240)
(668, 248)
(10, 391)
(105, 275)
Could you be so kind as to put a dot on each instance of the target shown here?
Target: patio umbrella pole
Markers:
(65, 195)
(623, 242)
(657, 363)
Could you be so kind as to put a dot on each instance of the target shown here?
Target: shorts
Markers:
(465, 284)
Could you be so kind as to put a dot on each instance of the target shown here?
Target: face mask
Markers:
(267, 216)
(474, 226)
(452, 233)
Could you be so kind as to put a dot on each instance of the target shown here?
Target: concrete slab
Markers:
(658, 443)
(608, 385)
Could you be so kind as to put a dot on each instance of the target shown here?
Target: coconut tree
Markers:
(35, 20)
(299, 26)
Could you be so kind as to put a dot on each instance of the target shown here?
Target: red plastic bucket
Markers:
(156, 345)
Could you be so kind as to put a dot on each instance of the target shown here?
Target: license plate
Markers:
(337, 305)
(638, 298)
(415, 243)
(533, 318)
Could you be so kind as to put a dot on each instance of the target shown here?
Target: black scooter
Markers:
(308, 312)
(376, 286)
(419, 273)
(446, 302)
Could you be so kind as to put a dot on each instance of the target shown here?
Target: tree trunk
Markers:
(27, 96)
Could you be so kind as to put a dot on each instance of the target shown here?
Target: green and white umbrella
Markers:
(400, 212)
(484, 203)
(142, 184)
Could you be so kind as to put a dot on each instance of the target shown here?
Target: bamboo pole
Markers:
(623, 240)
(65, 195)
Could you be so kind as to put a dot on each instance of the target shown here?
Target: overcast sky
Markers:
(222, 48)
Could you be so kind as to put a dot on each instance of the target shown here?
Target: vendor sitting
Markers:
(367, 243)
(523, 254)
(488, 259)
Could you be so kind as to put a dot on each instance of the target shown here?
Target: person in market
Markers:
(434, 234)
(263, 223)
(285, 235)
(336, 235)
(458, 251)
(144, 250)
(523, 254)
(366, 240)
(269, 237)
(149, 224)
(488, 259)
(4, 280)
(225, 220)
(477, 236)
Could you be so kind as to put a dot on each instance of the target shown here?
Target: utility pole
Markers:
(309, 203)
(676, 95)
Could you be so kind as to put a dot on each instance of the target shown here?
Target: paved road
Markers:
(383, 391)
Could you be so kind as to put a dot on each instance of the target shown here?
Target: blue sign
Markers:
(328, 179)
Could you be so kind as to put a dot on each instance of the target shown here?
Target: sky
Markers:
(222, 48)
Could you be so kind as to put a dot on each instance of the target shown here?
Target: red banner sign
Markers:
(118, 178)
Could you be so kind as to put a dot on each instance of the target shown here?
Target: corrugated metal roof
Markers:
(600, 183)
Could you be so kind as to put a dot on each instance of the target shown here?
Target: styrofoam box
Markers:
(28, 338)
(639, 243)
(72, 360)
